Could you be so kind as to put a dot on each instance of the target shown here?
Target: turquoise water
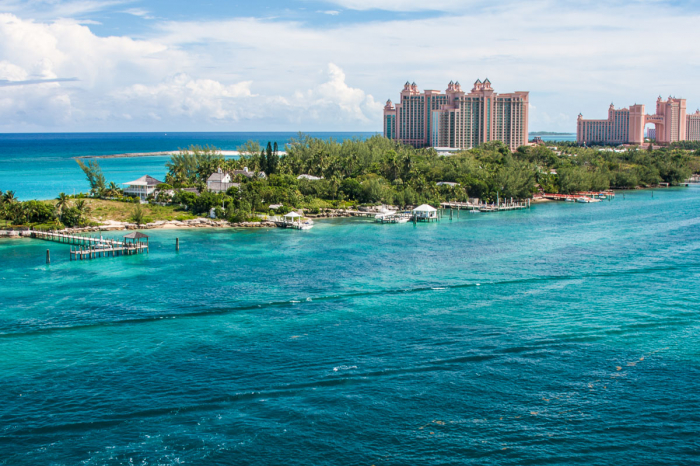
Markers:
(39, 166)
(566, 334)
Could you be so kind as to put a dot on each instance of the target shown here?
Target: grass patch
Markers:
(102, 210)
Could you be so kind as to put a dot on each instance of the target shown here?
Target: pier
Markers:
(92, 248)
(485, 207)
(584, 195)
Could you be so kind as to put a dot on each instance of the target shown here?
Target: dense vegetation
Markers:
(376, 170)
(380, 170)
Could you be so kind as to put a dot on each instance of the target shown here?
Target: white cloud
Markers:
(330, 12)
(249, 73)
(404, 5)
(182, 95)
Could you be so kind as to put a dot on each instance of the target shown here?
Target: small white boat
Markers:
(307, 225)
(583, 200)
(569, 199)
(403, 219)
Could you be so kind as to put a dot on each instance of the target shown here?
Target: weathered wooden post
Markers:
(177, 244)
(48, 256)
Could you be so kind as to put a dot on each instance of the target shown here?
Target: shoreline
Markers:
(225, 153)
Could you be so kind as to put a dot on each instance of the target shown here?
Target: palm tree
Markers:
(112, 190)
(8, 197)
(82, 207)
(62, 202)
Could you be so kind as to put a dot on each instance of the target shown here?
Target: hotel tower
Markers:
(626, 125)
(457, 119)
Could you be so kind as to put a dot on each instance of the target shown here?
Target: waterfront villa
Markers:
(142, 188)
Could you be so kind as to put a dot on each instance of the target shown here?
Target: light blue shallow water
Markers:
(39, 166)
(567, 334)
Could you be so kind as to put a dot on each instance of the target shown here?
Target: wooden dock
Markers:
(484, 207)
(89, 247)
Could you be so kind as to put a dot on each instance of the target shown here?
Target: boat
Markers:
(307, 225)
(569, 199)
(583, 200)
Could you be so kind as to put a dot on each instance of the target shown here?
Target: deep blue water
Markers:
(566, 334)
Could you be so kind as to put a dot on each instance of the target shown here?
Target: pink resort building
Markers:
(692, 126)
(457, 119)
(627, 125)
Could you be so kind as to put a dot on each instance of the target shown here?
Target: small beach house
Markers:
(141, 188)
(220, 182)
(425, 213)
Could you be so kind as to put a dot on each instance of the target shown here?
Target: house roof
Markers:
(425, 208)
(216, 177)
(145, 180)
(135, 235)
(220, 186)
(308, 177)
(248, 173)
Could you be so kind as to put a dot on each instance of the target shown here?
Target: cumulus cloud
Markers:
(260, 74)
(335, 99)
(183, 95)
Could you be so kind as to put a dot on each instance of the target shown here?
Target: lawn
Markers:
(102, 210)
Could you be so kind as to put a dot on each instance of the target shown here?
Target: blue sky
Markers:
(131, 65)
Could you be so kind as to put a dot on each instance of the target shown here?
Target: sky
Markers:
(308, 65)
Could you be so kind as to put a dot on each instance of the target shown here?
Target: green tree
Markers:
(62, 203)
(94, 175)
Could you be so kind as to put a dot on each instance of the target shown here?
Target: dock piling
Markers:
(48, 256)
(177, 244)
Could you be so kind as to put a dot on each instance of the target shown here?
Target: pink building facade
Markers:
(692, 126)
(626, 125)
(457, 119)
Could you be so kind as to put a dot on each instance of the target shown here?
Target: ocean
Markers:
(564, 334)
(40, 166)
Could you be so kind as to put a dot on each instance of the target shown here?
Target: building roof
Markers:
(308, 177)
(219, 186)
(446, 183)
(247, 173)
(217, 176)
(425, 208)
(145, 180)
(135, 235)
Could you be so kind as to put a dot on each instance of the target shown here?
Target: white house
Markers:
(141, 188)
(308, 177)
(220, 182)
(425, 213)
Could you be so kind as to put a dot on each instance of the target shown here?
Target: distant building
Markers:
(309, 177)
(693, 126)
(141, 188)
(651, 133)
(456, 119)
(220, 182)
(626, 125)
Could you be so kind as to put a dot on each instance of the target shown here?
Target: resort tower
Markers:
(457, 119)
(626, 125)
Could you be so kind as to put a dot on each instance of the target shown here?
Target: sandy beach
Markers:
(225, 153)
